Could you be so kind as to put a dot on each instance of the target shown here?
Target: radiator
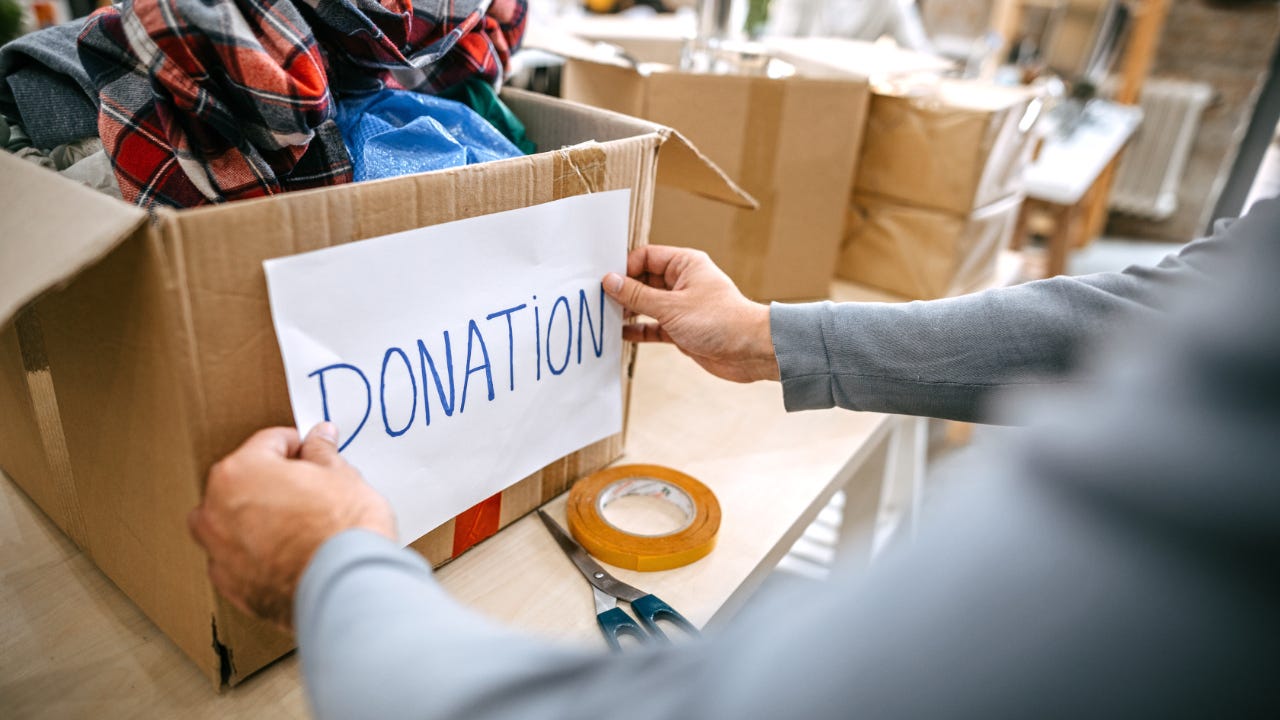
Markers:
(1152, 166)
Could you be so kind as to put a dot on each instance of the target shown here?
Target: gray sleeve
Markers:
(1121, 567)
(379, 638)
(943, 358)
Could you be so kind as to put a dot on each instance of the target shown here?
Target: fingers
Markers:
(196, 526)
(661, 265)
(270, 444)
(645, 332)
(278, 441)
(321, 445)
(224, 582)
(653, 267)
(635, 295)
(651, 260)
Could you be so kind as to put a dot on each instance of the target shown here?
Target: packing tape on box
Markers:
(604, 540)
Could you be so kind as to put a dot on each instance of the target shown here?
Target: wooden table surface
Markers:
(71, 645)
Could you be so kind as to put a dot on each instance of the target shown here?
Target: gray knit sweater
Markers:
(1121, 562)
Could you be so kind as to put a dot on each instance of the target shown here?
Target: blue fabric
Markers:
(399, 132)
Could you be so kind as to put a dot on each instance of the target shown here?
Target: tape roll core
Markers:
(623, 549)
(646, 487)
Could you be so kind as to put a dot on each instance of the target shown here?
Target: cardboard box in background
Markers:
(950, 145)
(922, 253)
(153, 355)
(790, 142)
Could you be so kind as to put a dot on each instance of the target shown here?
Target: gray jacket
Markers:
(1121, 562)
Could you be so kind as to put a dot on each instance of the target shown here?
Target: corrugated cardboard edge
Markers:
(52, 230)
(684, 166)
(65, 511)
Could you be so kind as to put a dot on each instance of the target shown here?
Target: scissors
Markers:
(608, 590)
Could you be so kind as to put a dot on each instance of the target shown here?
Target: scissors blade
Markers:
(589, 568)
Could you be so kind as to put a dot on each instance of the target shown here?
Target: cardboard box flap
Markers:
(52, 229)
(683, 166)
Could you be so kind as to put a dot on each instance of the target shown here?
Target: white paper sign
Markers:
(459, 358)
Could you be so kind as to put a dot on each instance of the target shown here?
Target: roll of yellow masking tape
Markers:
(604, 540)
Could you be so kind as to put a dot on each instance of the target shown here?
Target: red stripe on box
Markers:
(476, 524)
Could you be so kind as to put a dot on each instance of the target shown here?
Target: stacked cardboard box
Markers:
(143, 350)
(791, 142)
(939, 186)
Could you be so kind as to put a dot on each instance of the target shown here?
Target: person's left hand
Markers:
(270, 505)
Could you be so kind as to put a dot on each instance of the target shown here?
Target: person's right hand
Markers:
(698, 308)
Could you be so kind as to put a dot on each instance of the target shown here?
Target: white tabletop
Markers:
(1068, 166)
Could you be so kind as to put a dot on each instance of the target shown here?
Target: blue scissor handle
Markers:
(650, 609)
(615, 623)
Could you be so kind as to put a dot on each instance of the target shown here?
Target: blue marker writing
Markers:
(324, 397)
(473, 335)
(511, 343)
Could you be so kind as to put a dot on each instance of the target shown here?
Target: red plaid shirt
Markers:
(214, 100)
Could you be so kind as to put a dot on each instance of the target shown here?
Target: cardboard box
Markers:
(922, 253)
(143, 351)
(790, 142)
(949, 145)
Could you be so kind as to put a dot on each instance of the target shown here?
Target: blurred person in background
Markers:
(856, 19)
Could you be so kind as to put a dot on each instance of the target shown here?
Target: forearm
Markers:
(944, 358)
(380, 638)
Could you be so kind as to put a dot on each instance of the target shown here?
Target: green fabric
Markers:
(480, 96)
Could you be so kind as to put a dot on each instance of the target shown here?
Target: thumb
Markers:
(321, 444)
(635, 295)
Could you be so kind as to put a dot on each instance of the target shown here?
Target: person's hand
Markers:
(270, 505)
(699, 309)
